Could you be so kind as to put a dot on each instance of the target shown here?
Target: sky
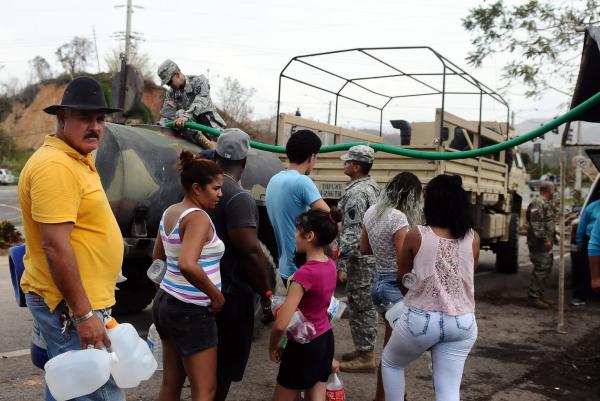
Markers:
(253, 40)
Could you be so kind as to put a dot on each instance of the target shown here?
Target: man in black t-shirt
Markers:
(243, 266)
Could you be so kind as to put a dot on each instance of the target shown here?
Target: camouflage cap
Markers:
(233, 144)
(166, 71)
(360, 153)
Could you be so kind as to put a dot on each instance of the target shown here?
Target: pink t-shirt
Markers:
(318, 280)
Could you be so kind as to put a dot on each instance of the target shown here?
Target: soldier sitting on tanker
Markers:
(188, 99)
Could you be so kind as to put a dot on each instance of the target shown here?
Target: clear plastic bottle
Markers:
(394, 313)
(409, 279)
(335, 310)
(299, 328)
(335, 389)
(155, 344)
(77, 373)
(135, 360)
(157, 270)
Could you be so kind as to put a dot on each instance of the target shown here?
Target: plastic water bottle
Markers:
(299, 328)
(336, 309)
(409, 280)
(393, 314)
(157, 270)
(335, 388)
(135, 360)
(77, 373)
(155, 345)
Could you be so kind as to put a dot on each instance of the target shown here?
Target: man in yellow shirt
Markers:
(74, 248)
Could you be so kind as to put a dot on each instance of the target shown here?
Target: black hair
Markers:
(302, 145)
(447, 205)
(320, 222)
(194, 169)
(402, 187)
(364, 166)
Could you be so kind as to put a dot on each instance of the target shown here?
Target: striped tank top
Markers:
(174, 282)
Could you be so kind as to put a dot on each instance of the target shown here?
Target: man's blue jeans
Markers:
(59, 342)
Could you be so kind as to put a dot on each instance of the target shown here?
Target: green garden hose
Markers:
(418, 154)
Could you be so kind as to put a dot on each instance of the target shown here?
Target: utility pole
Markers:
(329, 114)
(128, 30)
(578, 168)
(96, 47)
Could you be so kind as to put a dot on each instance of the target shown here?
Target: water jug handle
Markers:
(114, 359)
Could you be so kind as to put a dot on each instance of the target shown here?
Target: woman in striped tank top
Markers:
(189, 293)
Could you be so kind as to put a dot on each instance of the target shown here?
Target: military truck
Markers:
(494, 182)
(137, 166)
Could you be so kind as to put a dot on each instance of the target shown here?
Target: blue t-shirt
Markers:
(594, 244)
(588, 217)
(289, 194)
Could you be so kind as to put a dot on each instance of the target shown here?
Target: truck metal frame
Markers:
(494, 182)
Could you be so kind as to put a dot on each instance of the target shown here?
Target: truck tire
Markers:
(507, 253)
(137, 292)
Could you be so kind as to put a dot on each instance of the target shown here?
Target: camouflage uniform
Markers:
(192, 101)
(540, 216)
(359, 195)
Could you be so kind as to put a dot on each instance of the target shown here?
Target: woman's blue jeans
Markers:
(450, 338)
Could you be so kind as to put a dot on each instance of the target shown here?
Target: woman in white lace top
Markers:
(439, 308)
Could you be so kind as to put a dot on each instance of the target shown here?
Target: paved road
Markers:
(519, 356)
(9, 205)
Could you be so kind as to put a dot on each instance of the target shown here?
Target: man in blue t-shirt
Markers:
(290, 193)
(581, 270)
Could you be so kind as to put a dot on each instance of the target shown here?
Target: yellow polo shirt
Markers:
(59, 185)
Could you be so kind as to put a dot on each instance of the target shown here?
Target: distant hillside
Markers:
(590, 133)
(23, 118)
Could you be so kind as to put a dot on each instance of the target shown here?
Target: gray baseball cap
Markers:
(233, 144)
(360, 153)
(166, 71)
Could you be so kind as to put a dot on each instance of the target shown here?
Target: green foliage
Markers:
(9, 235)
(12, 157)
(75, 55)
(142, 112)
(541, 36)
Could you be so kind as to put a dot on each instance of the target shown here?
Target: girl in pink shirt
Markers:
(307, 366)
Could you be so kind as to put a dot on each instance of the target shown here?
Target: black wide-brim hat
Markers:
(82, 93)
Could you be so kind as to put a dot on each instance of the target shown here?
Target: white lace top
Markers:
(381, 232)
(444, 269)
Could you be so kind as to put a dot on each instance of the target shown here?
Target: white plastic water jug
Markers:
(78, 373)
(135, 360)
(155, 345)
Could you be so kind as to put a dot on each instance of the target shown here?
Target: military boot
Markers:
(363, 363)
(349, 356)
(538, 303)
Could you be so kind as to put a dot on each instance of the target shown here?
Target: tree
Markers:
(235, 99)
(74, 56)
(40, 69)
(139, 60)
(540, 34)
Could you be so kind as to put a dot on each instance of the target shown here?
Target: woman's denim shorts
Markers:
(385, 291)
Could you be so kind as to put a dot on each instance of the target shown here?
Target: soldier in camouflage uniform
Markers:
(540, 237)
(188, 99)
(360, 194)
